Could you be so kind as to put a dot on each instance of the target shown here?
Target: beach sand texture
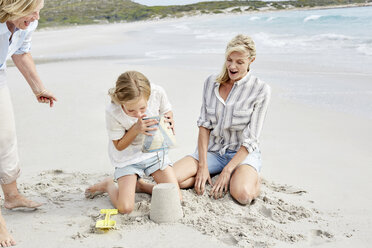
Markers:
(317, 161)
(279, 216)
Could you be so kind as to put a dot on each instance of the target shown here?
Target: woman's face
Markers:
(135, 108)
(25, 21)
(237, 64)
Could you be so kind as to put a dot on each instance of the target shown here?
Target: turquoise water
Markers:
(318, 57)
(330, 30)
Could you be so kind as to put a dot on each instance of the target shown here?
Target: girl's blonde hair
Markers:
(11, 10)
(129, 86)
(240, 43)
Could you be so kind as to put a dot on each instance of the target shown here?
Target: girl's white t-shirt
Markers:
(118, 122)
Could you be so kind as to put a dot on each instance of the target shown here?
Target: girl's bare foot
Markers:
(6, 239)
(18, 201)
(98, 188)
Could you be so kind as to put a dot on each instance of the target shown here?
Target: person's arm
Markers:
(141, 127)
(26, 66)
(252, 131)
(169, 118)
(165, 107)
(202, 175)
(205, 127)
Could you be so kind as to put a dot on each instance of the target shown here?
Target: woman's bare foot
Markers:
(13, 199)
(98, 188)
(6, 239)
(19, 201)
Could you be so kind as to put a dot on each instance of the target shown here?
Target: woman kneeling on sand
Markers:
(18, 20)
(232, 114)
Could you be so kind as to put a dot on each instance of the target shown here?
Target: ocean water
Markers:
(331, 31)
(318, 57)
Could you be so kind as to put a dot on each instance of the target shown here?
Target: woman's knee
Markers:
(244, 195)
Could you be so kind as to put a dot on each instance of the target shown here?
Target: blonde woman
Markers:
(18, 20)
(232, 114)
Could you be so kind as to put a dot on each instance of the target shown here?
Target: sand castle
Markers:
(165, 203)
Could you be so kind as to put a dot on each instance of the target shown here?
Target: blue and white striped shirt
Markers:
(237, 121)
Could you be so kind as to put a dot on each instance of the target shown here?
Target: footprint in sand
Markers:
(317, 237)
(267, 212)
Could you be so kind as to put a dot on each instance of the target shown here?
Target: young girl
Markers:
(132, 100)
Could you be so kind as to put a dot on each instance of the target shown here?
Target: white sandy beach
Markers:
(317, 161)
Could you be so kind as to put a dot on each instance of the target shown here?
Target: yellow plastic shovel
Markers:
(107, 223)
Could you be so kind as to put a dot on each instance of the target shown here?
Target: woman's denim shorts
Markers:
(217, 162)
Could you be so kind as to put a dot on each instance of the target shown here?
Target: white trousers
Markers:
(9, 168)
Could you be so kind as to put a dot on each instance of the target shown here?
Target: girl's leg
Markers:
(166, 176)
(144, 187)
(245, 184)
(121, 197)
(185, 170)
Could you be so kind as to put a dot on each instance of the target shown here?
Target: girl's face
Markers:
(237, 64)
(136, 107)
(25, 21)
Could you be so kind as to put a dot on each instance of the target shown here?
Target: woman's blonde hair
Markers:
(240, 43)
(11, 10)
(129, 86)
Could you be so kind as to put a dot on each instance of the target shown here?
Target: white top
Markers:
(118, 122)
(19, 44)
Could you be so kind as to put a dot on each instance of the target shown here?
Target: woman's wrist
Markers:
(228, 169)
(202, 164)
(37, 94)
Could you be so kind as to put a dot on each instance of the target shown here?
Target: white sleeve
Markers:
(115, 130)
(165, 105)
(26, 45)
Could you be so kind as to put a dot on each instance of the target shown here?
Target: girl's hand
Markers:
(143, 126)
(221, 185)
(46, 97)
(202, 176)
(169, 119)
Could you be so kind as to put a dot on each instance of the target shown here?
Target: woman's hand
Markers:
(169, 119)
(46, 97)
(202, 176)
(144, 126)
(221, 185)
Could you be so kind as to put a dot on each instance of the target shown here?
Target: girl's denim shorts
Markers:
(158, 162)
